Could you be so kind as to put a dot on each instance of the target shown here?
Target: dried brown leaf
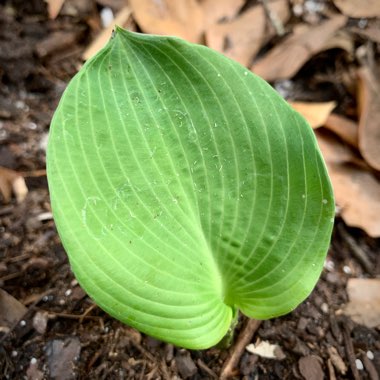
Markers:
(369, 109)
(12, 182)
(333, 150)
(341, 40)
(345, 128)
(315, 113)
(357, 193)
(181, 18)
(359, 8)
(284, 61)
(122, 18)
(364, 301)
(217, 10)
(54, 7)
(356, 189)
(241, 38)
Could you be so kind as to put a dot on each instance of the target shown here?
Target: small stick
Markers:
(371, 369)
(350, 352)
(80, 317)
(237, 351)
(356, 250)
(206, 369)
(163, 367)
(331, 370)
(34, 173)
(87, 311)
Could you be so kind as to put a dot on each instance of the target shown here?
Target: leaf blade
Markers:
(170, 168)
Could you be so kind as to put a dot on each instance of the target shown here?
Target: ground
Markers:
(62, 334)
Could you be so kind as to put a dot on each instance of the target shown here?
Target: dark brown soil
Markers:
(63, 334)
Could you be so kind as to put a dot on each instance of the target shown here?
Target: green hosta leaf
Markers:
(184, 188)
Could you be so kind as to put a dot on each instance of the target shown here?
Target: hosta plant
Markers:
(185, 189)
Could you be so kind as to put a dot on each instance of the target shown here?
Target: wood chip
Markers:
(284, 61)
(40, 321)
(11, 310)
(369, 108)
(364, 304)
(359, 8)
(315, 113)
(170, 17)
(267, 350)
(336, 360)
(310, 367)
(185, 364)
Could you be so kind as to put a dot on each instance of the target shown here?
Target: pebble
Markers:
(310, 367)
(359, 364)
(325, 308)
(347, 269)
(370, 355)
(61, 357)
(329, 265)
(40, 321)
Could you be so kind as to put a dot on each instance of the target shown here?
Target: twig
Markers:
(206, 369)
(34, 173)
(372, 372)
(244, 338)
(331, 370)
(150, 357)
(274, 20)
(87, 311)
(142, 374)
(10, 276)
(80, 317)
(359, 254)
(350, 352)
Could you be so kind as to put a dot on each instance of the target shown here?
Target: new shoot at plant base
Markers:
(184, 189)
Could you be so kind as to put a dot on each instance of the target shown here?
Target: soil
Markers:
(63, 334)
